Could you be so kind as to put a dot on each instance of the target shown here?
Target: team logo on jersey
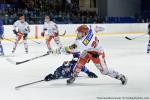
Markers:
(88, 38)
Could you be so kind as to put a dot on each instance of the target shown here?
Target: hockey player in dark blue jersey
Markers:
(66, 70)
(148, 47)
(1, 37)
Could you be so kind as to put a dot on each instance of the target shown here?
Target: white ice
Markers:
(127, 57)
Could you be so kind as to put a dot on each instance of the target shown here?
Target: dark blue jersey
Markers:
(1, 27)
(65, 71)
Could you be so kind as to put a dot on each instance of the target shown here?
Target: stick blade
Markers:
(128, 38)
(11, 61)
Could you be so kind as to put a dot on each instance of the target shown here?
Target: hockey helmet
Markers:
(75, 56)
(83, 29)
(47, 19)
(66, 64)
(21, 17)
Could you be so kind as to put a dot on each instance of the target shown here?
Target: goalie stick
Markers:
(20, 86)
(129, 38)
(17, 63)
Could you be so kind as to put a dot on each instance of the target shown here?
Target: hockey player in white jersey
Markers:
(21, 30)
(89, 46)
(50, 30)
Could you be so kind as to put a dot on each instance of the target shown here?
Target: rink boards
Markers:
(107, 29)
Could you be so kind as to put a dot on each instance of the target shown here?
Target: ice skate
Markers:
(58, 51)
(13, 51)
(26, 50)
(148, 51)
(70, 80)
(123, 79)
(50, 52)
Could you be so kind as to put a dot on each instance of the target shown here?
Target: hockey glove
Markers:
(45, 29)
(92, 75)
(95, 55)
(149, 32)
(49, 77)
(1, 37)
(15, 32)
(25, 36)
(43, 34)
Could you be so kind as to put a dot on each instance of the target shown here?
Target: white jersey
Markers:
(50, 28)
(88, 43)
(21, 27)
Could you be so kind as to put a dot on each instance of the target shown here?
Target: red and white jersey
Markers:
(22, 27)
(50, 28)
(89, 43)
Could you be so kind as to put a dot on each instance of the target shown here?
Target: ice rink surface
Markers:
(127, 57)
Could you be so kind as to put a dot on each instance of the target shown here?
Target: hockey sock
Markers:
(25, 46)
(48, 43)
(1, 49)
(15, 46)
(148, 47)
(57, 41)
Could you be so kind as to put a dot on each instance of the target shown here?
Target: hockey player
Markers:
(66, 70)
(50, 30)
(1, 37)
(91, 49)
(148, 47)
(21, 30)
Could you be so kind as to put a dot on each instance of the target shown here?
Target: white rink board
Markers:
(71, 29)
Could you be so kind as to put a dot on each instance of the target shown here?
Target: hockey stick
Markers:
(20, 86)
(9, 40)
(17, 63)
(63, 33)
(129, 38)
(36, 42)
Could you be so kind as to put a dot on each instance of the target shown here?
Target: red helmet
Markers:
(83, 29)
